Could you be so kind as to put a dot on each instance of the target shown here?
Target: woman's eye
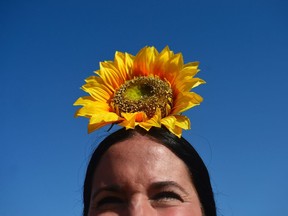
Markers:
(109, 201)
(167, 196)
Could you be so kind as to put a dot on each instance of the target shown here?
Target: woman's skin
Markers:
(141, 177)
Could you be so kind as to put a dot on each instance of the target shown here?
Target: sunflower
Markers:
(148, 90)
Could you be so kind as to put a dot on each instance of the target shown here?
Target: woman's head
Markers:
(147, 172)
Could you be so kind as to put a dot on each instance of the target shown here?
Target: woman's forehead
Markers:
(139, 145)
(139, 148)
(140, 157)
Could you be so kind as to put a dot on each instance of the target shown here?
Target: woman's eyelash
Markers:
(167, 195)
(109, 200)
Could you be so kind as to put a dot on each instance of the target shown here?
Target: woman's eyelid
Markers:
(107, 195)
(110, 200)
(107, 201)
(110, 190)
(167, 194)
(170, 186)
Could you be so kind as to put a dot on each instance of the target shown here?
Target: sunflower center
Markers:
(138, 92)
(143, 94)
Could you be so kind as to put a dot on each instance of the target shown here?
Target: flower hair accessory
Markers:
(148, 90)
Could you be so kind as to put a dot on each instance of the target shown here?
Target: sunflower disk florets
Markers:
(143, 94)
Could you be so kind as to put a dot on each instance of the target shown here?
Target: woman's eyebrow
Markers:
(108, 188)
(165, 184)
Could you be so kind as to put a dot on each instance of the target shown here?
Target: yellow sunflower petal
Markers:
(93, 127)
(144, 61)
(184, 80)
(182, 122)
(177, 62)
(177, 131)
(173, 68)
(129, 121)
(124, 63)
(190, 68)
(97, 89)
(101, 119)
(155, 121)
(170, 123)
(90, 106)
(82, 101)
(104, 117)
(110, 75)
(160, 66)
(188, 83)
(185, 101)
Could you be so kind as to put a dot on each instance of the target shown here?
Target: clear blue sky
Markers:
(47, 48)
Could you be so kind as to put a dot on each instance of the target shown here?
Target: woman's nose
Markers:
(141, 206)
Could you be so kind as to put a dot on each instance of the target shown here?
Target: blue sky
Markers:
(48, 48)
